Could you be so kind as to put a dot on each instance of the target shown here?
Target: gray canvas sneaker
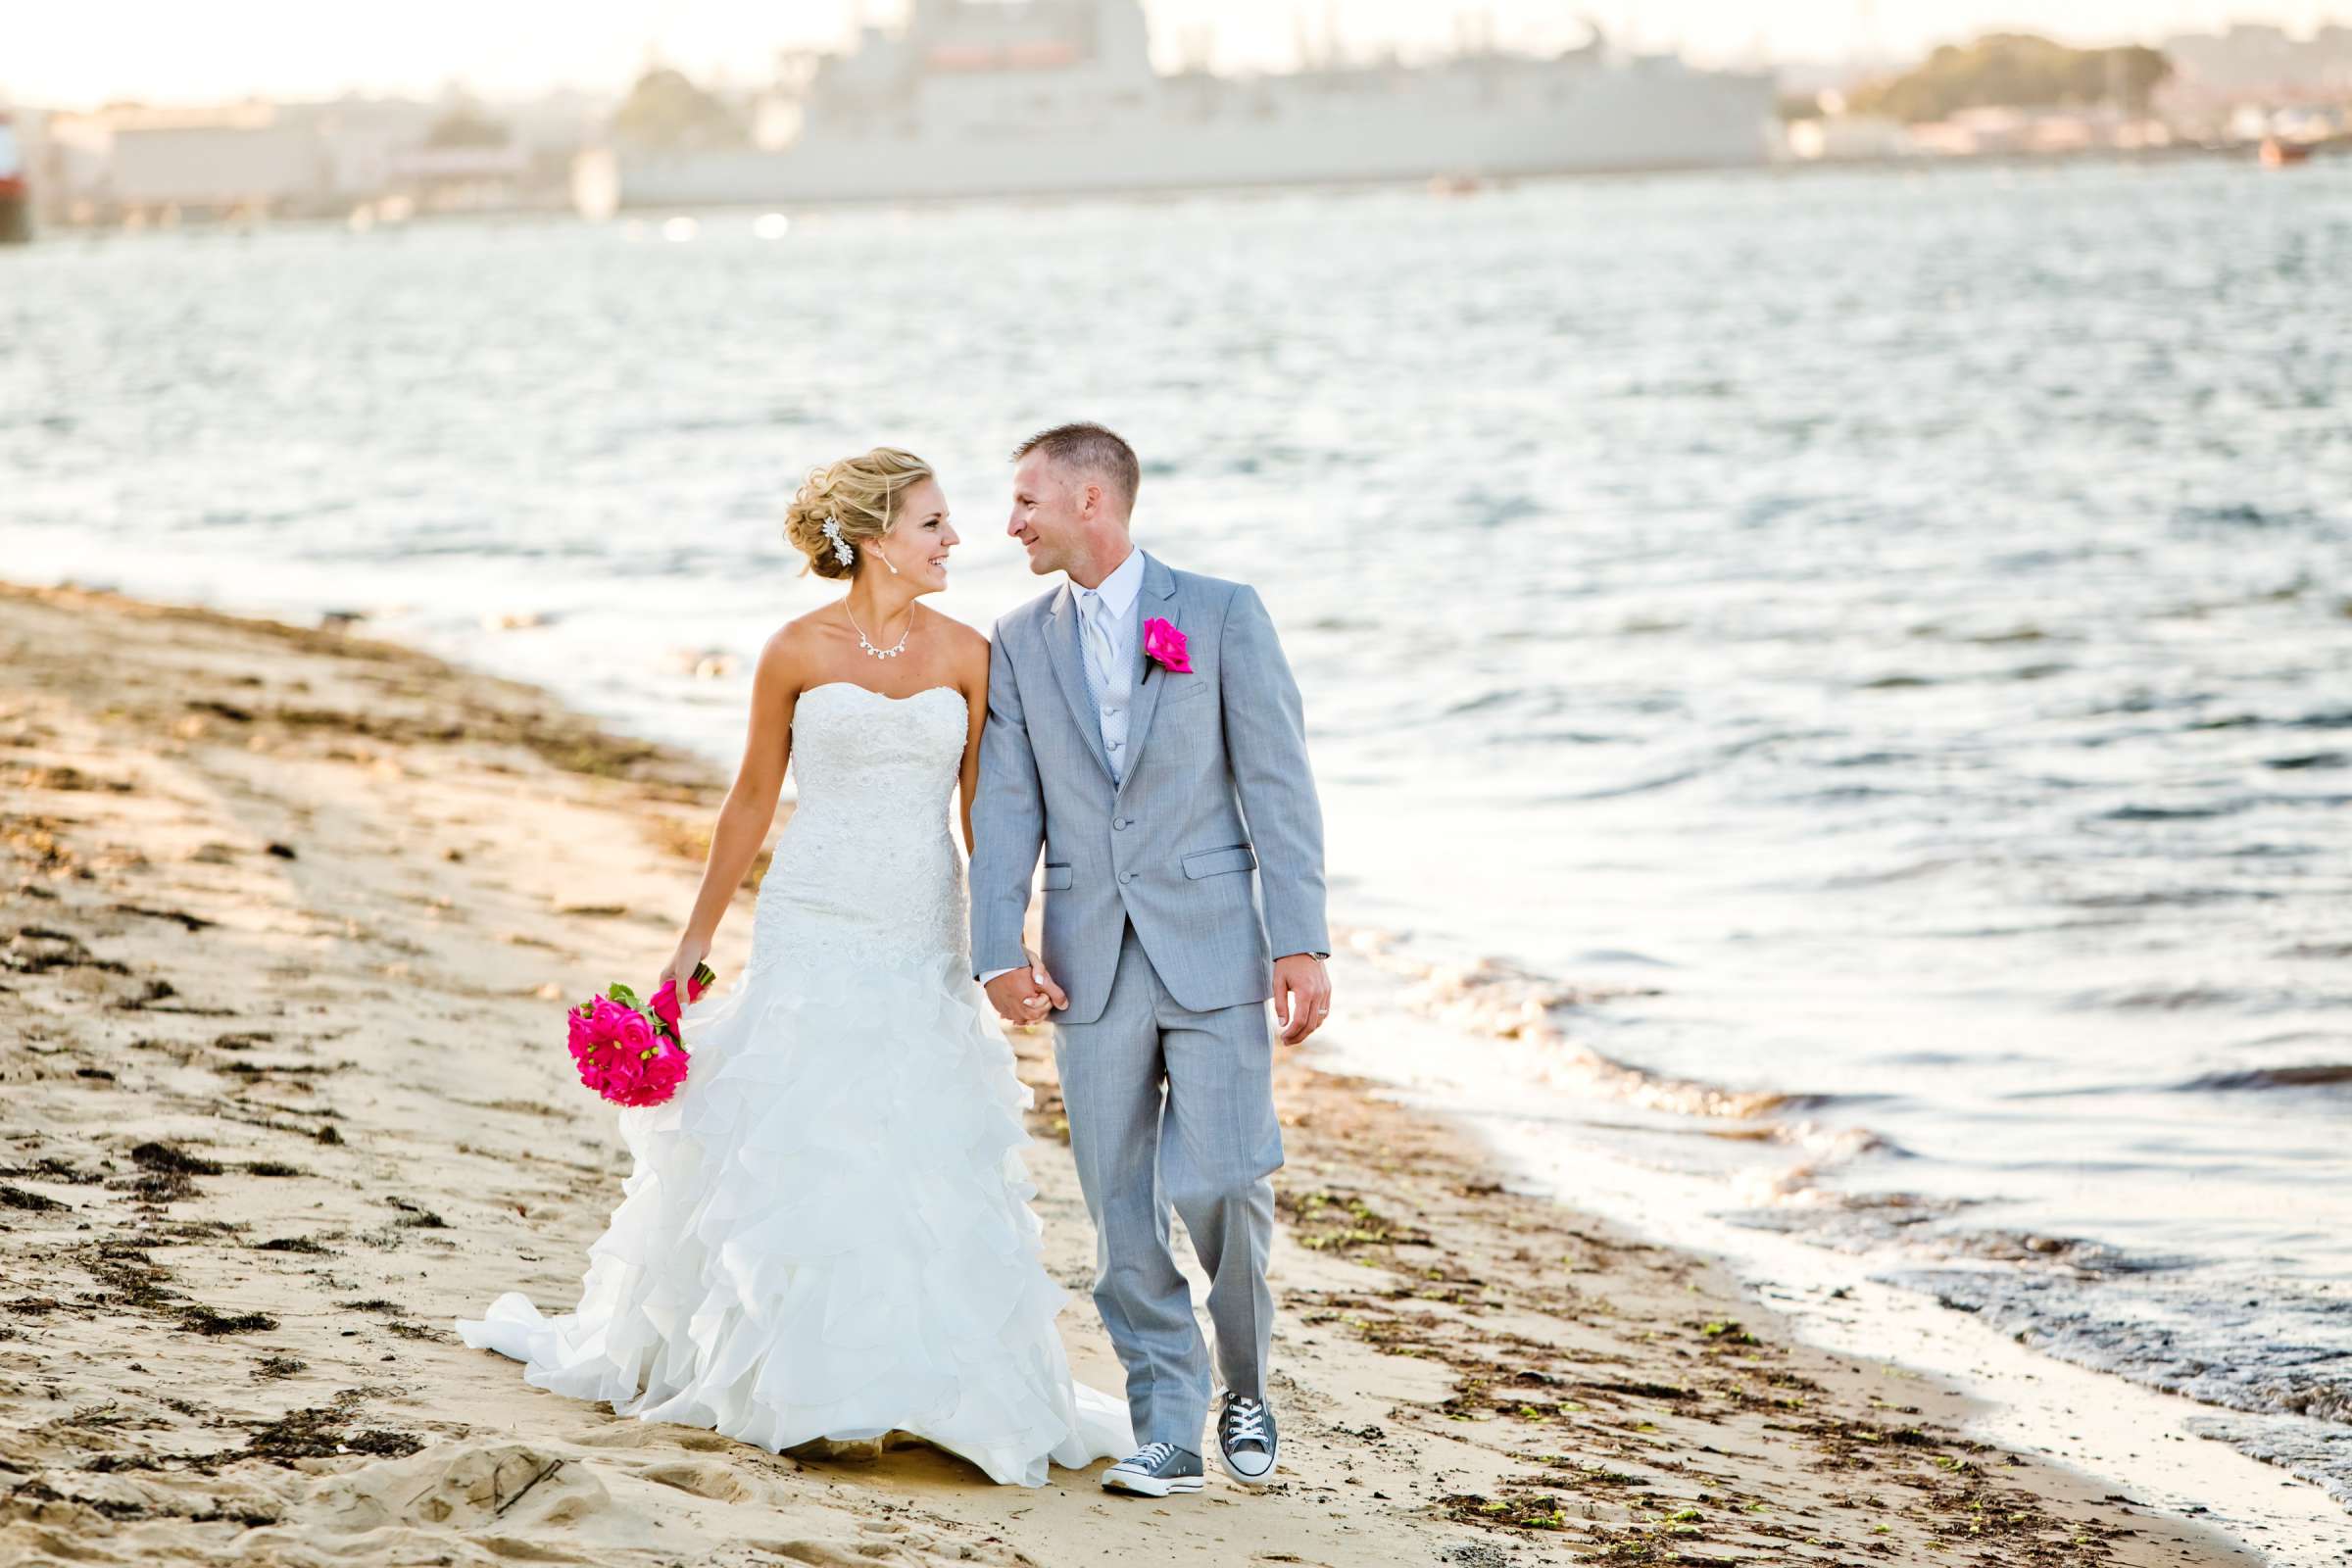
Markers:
(1246, 1439)
(1155, 1470)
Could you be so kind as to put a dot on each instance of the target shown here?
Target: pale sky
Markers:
(80, 53)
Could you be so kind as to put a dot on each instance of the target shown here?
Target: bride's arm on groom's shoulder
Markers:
(1007, 806)
(751, 805)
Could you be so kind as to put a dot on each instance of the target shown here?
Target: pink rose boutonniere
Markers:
(1163, 644)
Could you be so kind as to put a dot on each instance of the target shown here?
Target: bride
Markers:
(826, 1235)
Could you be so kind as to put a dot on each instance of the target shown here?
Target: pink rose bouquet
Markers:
(632, 1053)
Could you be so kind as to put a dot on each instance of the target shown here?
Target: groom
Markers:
(1144, 731)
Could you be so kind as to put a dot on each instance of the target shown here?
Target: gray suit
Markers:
(1151, 929)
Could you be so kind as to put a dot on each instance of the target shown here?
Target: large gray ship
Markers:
(1050, 97)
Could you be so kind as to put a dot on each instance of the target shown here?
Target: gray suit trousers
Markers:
(1168, 1107)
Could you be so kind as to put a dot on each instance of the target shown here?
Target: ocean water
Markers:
(1837, 685)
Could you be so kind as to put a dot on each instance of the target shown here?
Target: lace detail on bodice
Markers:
(868, 869)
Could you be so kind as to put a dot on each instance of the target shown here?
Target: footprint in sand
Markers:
(625, 1433)
(463, 1487)
(828, 1554)
(720, 1483)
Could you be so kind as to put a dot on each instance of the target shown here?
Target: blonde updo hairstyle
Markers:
(861, 494)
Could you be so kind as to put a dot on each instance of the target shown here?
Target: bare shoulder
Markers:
(954, 633)
(794, 648)
(966, 646)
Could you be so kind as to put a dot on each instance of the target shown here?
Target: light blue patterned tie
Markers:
(1095, 645)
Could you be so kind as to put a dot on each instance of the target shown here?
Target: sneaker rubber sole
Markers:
(1115, 1480)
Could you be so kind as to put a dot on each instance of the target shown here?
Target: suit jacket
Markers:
(1217, 787)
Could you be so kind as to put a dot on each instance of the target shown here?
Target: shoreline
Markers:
(1782, 165)
(300, 895)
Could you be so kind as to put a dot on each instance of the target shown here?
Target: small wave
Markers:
(1624, 955)
(2028, 633)
(1484, 701)
(2296, 1037)
(1836, 793)
(2250, 1001)
(1661, 781)
(2164, 999)
(1504, 1002)
(2173, 813)
(2240, 1347)
(1851, 1222)
(2310, 759)
(1825, 1151)
(1898, 873)
(2271, 851)
(1483, 996)
(2169, 897)
(2333, 718)
(2318, 1075)
(2322, 1456)
(1516, 739)
(2244, 514)
(1685, 1097)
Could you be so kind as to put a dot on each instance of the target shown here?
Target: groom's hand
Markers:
(1302, 996)
(1023, 996)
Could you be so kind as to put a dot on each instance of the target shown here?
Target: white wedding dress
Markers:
(827, 1233)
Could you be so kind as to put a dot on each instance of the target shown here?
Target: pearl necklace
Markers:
(868, 647)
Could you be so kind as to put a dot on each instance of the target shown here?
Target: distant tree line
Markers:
(465, 126)
(666, 110)
(2015, 70)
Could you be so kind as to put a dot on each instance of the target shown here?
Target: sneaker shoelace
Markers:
(1150, 1456)
(1245, 1422)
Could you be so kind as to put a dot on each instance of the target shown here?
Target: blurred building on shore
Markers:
(2255, 83)
(356, 158)
(1047, 97)
(1060, 97)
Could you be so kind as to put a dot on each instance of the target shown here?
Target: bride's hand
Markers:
(691, 951)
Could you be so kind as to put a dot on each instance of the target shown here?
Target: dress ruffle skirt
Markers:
(827, 1235)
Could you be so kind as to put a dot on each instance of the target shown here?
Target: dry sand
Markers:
(288, 915)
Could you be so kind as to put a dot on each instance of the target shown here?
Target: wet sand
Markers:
(289, 918)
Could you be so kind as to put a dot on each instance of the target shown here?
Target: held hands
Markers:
(1023, 996)
(1302, 996)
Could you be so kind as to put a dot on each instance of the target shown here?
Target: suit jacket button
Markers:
(1126, 876)
(1118, 824)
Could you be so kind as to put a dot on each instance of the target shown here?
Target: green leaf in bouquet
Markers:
(623, 994)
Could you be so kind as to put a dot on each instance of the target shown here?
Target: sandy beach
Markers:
(290, 917)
